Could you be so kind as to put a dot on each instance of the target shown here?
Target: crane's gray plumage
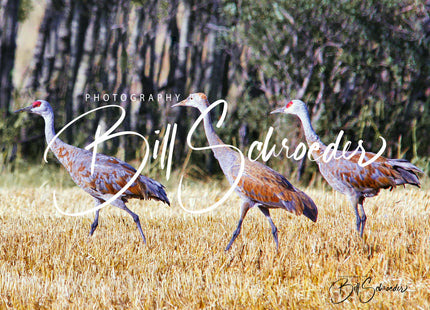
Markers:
(110, 174)
(346, 175)
(259, 185)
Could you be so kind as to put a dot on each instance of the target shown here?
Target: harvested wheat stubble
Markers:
(47, 260)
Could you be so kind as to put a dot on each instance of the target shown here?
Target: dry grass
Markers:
(48, 260)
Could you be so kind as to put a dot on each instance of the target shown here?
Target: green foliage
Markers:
(25, 7)
(9, 128)
(362, 65)
(26, 174)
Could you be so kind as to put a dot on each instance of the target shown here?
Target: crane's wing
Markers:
(266, 186)
(382, 173)
(111, 175)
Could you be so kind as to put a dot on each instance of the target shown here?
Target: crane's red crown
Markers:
(36, 104)
(203, 96)
(289, 104)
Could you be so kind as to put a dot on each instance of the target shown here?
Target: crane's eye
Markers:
(36, 104)
(289, 104)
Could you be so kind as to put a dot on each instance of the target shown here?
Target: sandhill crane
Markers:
(110, 174)
(259, 185)
(346, 175)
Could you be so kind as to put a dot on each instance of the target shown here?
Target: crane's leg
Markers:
(243, 210)
(120, 204)
(357, 201)
(358, 219)
(363, 217)
(354, 202)
(95, 223)
(274, 229)
(96, 219)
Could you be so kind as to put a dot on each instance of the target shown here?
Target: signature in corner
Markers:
(343, 288)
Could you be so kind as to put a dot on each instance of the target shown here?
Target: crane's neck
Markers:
(225, 156)
(211, 135)
(57, 146)
(49, 127)
(310, 134)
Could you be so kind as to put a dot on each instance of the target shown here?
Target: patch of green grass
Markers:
(22, 175)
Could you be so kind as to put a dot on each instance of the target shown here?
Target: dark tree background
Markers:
(362, 67)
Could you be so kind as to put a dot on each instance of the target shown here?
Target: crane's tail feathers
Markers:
(155, 190)
(407, 171)
(310, 210)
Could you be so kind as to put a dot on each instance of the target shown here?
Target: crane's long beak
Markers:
(179, 104)
(27, 109)
(280, 110)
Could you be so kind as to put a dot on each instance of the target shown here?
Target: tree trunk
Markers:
(8, 26)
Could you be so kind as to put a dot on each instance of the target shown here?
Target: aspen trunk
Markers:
(101, 48)
(8, 26)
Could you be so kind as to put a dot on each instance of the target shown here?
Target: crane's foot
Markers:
(266, 212)
(275, 236)
(246, 205)
(361, 222)
(93, 228)
(95, 223)
(120, 204)
(235, 234)
(137, 221)
(358, 223)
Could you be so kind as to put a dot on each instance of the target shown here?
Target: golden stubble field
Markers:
(47, 261)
